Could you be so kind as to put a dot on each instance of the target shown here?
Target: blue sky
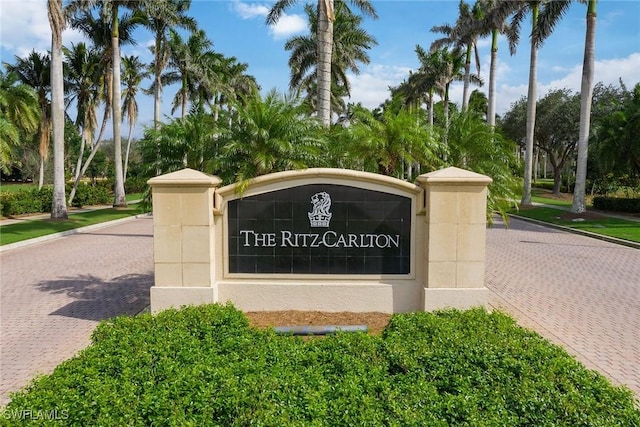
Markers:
(237, 28)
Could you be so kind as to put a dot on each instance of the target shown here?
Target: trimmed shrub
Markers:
(205, 366)
(617, 204)
(28, 201)
(90, 194)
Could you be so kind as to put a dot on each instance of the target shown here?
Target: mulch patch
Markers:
(568, 216)
(375, 321)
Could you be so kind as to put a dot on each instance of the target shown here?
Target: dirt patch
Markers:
(375, 321)
(568, 216)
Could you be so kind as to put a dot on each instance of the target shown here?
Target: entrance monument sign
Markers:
(320, 239)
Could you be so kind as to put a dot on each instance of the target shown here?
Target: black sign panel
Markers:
(320, 229)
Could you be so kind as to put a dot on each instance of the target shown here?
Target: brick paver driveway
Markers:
(53, 294)
(581, 293)
(576, 291)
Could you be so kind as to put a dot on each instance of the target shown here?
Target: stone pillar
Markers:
(454, 252)
(183, 239)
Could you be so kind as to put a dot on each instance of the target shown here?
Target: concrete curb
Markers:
(36, 240)
(582, 232)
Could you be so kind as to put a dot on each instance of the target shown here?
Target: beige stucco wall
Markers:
(447, 252)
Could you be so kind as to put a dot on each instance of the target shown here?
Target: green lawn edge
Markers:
(610, 227)
(33, 228)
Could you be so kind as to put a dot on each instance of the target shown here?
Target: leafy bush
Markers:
(27, 201)
(91, 194)
(206, 366)
(35, 200)
(617, 204)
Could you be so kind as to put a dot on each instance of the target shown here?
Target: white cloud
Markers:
(250, 11)
(24, 26)
(286, 26)
(371, 87)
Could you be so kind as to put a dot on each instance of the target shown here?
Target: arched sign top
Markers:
(292, 178)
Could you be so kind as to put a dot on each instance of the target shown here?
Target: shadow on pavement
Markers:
(97, 299)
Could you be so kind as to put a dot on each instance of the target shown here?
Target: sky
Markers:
(237, 28)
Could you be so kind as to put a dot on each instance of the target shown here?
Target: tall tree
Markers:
(109, 11)
(35, 70)
(134, 73)
(540, 30)
(57, 23)
(159, 16)
(99, 31)
(350, 45)
(190, 64)
(586, 94)
(463, 35)
(493, 22)
(449, 64)
(84, 81)
(326, 17)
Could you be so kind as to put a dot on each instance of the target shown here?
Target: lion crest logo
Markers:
(320, 215)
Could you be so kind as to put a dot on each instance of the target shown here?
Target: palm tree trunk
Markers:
(157, 95)
(491, 110)
(41, 174)
(126, 155)
(119, 195)
(56, 19)
(467, 73)
(94, 150)
(325, 47)
(586, 93)
(531, 116)
(430, 118)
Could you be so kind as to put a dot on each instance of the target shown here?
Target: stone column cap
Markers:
(185, 177)
(454, 176)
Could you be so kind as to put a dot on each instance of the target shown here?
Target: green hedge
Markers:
(35, 200)
(205, 366)
(617, 204)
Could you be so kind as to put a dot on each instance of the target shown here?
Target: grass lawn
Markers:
(205, 366)
(613, 227)
(14, 188)
(29, 229)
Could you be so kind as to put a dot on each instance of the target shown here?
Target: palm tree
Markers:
(350, 45)
(159, 17)
(324, 37)
(191, 64)
(99, 32)
(426, 79)
(232, 86)
(133, 76)
(57, 23)
(586, 94)
(464, 35)
(35, 70)
(83, 81)
(494, 23)
(448, 65)
(268, 135)
(19, 115)
(109, 11)
(388, 143)
(540, 30)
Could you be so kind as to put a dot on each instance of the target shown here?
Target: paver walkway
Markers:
(53, 294)
(576, 291)
(579, 292)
